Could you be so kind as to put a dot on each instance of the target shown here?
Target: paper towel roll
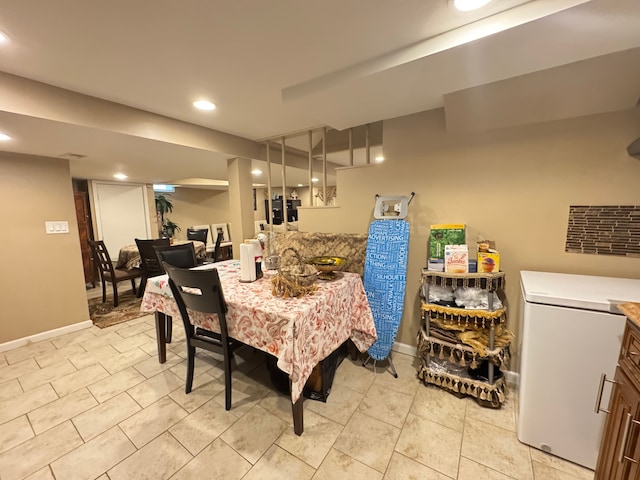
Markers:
(247, 263)
(257, 253)
(257, 247)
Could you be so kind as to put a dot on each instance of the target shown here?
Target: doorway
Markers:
(122, 214)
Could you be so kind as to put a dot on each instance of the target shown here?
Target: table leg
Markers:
(161, 330)
(298, 418)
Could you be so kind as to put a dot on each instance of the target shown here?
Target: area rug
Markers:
(104, 315)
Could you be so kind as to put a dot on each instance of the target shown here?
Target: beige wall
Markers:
(198, 206)
(153, 215)
(42, 282)
(513, 186)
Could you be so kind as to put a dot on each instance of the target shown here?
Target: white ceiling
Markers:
(282, 66)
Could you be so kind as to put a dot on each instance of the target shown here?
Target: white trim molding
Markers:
(38, 337)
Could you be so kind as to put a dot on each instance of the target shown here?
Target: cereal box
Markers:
(456, 259)
(445, 234)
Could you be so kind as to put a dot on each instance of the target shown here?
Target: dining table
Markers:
(300, 331)
(129, 256)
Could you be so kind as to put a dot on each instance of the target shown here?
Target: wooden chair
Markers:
(216, 250)
(110, 274)
(199, 234)
(181, 256)
(149, 260)
(200, 291)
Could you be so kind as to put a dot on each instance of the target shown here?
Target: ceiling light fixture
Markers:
(161, 187)
(379, 159)
(469, 5)
(300, 185)
(4, 38)
(4, 137)
(204, 105)
(314, 180)
(256, 172)
(120, 176)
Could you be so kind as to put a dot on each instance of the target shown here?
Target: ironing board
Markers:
(385, 276)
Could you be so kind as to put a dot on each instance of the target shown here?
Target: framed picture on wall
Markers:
(220, 227)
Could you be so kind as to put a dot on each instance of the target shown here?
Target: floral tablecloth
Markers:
(129, 256)
(298, 331)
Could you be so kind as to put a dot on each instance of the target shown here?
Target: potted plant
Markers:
(171, 228)
(163, 206)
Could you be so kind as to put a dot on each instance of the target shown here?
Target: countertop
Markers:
(632, 311)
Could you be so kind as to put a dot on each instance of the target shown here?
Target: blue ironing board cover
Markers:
(385, 278)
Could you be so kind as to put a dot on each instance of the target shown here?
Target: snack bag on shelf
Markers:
(488, 257)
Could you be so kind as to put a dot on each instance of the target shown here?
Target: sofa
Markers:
(352, 246)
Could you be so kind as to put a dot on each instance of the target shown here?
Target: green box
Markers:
(445, 234)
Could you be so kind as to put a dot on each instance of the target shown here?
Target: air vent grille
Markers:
(72, 156)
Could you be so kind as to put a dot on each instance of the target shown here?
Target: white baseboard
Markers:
(512, 378)
(38, 337)
(405, 349)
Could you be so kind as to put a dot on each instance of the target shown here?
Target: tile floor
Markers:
(96, 404)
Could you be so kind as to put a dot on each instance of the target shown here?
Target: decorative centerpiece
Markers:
(327, 266)
(296, 279)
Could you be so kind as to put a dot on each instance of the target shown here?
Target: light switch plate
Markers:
(61, 226)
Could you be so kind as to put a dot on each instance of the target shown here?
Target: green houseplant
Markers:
(164, 206)
(171, 228)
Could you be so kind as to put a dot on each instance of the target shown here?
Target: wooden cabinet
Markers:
(84, 230)
(620, 446)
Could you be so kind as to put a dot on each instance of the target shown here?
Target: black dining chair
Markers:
(199, 234)
(149, 260)
(216, 250)
(201, 291)
(110, 274)
(181, 256)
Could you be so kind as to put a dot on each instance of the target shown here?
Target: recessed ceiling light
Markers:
(469, 5)
(314, 180)
(4, 137)
(300, 185)
(4, 38)
(379, 159)
(256, 172)
(204, 105)
(121, 176)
